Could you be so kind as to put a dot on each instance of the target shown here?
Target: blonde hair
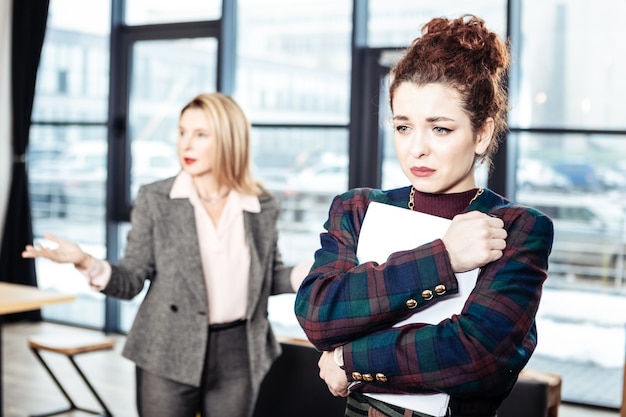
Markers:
(230, 129)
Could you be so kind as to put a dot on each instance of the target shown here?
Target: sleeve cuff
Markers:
(98, 274)
(338, 355)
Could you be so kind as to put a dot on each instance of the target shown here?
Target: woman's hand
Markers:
(333, 375)
(299, 273)
(64, 252)
(473, 240)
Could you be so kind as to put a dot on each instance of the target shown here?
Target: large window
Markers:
(293, 80)
(68, 148)
(570, 65)
(290, 65)
(567, 148)
(165, 75)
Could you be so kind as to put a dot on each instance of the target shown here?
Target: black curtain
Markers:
(28, 30)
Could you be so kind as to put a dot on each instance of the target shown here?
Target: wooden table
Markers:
(16, 298)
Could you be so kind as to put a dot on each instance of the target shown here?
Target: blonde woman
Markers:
(206, 240)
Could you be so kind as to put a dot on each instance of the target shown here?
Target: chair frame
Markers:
(35, 347)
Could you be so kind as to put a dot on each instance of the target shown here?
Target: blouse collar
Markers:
(183, 188)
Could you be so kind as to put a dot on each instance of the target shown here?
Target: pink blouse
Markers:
(224, 251)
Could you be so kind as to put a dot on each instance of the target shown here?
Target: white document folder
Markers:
(387, 229)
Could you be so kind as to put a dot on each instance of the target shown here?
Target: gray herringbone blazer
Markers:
(169, 335)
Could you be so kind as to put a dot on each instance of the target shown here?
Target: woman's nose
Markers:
(419, 145)
(185, 142)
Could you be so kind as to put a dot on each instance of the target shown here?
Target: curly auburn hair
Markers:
(465, 55)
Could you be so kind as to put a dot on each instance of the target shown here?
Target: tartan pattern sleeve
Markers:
(476, 354)
(342, 300)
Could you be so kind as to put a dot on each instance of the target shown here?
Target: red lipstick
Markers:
(422, 172)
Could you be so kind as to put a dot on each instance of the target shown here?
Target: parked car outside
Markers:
(589, 234)
(582, 175)
(74, 184)
(532, 174)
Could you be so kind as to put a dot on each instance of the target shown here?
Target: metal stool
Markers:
(71, 346)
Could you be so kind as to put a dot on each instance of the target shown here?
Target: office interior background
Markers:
(311, 75)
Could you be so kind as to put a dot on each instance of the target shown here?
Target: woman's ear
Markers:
(484, 136)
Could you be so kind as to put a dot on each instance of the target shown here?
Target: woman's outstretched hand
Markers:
(473, 240)
(65, 252)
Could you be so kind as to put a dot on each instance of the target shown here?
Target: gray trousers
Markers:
(225, 388)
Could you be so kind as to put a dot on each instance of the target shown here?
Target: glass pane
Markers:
(67, 164)
(580, 182)
(79, 16)
(73, 75)
(293, 60)
(165, 76)
(293, 67)
(583, 191)
(557, 58)
(143, 12)
(67, 180)
(305, 169)
(397, 22)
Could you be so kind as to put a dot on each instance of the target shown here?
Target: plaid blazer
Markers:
(474, 356)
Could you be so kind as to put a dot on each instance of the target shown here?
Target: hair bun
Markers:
(467, 37)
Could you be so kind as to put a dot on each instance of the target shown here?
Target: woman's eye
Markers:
(441, 130)
(402, 129)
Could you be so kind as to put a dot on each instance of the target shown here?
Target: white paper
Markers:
(387, 229)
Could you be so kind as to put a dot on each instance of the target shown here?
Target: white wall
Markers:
(6, 151)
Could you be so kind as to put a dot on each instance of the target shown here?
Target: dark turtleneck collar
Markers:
(443, 205)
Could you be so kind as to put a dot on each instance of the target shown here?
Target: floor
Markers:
(29, 390)
(567, 410)
(584, 382)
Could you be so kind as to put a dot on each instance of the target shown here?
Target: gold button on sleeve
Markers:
(357, 376)
(368, 378)
(440, 289)
(381, 377)
(427, 295)
(411, 303)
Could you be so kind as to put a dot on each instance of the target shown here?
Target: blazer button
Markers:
(440, 289)
(368, 378)
(427, 295)
(357, 376)
(174, 308)
(411, 303)
(381, 377)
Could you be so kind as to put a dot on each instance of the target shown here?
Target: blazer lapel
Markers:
(257, 242)
(178, 219)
